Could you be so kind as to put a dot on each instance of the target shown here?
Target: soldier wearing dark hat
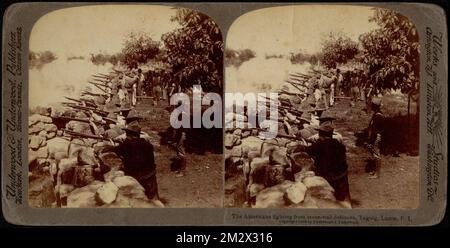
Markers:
(330, 160)
(375, 131)
(138, 159)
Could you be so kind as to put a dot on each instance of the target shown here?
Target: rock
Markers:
(305, 133)
(253, 154)
(110, 161)
(58, 145)
(86, 156)
(34, 119)
(316, 181)
(124, 201)
(296, 193)
(84, 197)
(83, 175)
(36, 142)
(236, 151)
(36, 128)
(41, 192)
(90, 142)
(278, 156)
(79, 127)
(272, 197)
(50, 127)
(40, 153)
(57, 111)
(110, 175)
(75, 147)
(301, 161)
(255, 188)
(111, 134)
(245, 134)
(237, 141)
(322, 193)
(51, 135)
(258, 169)
(130, 187)
(66, 168)
(65, 189)
(237, 132)
(299, 176)
(42, 110)
(43, 134)
(127, 182)
(274, 175)
(59, 155)
(252, 143)
(255, 132)
(107, 193)
(229, 141)
(59, 133)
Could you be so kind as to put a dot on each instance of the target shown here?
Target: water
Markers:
(258, 72)
(50, 83)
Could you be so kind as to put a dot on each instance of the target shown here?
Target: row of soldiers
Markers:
(111, 116)
(306, 118)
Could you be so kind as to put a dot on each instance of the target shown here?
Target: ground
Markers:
(398, 185)
(202, 185)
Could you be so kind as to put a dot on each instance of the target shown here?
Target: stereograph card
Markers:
(267, 114)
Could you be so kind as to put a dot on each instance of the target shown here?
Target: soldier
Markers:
(330, 161)
(138, 160)
(326, 119)
(140, 84)
(354, 83)
(375, 131)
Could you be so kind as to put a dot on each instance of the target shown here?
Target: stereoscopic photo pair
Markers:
(337, 87)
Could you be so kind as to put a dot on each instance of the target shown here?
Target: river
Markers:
(49, 83)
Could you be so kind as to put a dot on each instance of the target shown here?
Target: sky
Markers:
(79, 31)
(282, 30)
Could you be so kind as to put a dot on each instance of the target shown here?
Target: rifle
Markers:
(99, 86)
(295, 85)
(102, 81)
(300, 77)
(97, 111)
(101, 76)
(82, 135)
(67, 119)
(86, 101)
(93, 94)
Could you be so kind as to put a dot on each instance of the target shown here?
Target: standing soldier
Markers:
(330, 161)
(354, 83)
(339, 82)
(375, 131)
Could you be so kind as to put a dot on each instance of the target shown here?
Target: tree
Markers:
(391, 52)
(139, 48)
(237, 57)
(337, 48)
(195, 51)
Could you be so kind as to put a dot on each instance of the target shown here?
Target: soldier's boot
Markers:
(182, 167)
(376, 173)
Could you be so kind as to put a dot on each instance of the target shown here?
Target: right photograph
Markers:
(322, 109)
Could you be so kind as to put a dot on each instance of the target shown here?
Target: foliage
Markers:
(337, 48)
(195, 51)
(391, 52)
(103, 58)
(38, 59)
(237, 57)
(139, 48)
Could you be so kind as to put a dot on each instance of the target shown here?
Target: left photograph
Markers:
(101, 80)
